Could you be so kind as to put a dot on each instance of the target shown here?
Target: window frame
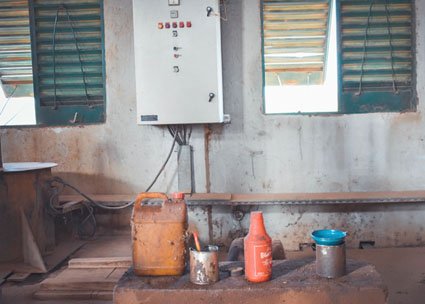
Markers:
(346, 106)
(66, 114)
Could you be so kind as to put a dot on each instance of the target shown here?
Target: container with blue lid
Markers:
(328, 237)
(330, 252)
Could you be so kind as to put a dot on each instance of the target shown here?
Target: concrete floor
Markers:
(402, 269)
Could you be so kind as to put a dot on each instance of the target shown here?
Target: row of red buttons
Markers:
(167, 25)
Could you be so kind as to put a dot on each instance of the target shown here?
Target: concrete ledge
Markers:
(232, 199)
(292, 282)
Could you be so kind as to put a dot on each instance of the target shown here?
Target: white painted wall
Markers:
(255, 153)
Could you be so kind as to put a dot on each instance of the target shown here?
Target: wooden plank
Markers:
(110, 262)
(3, 275)
(338, 197)
(107, 199)
(71, 206)
(76, 295)
(328, 196)
(263, 196)
(18, 276)
(83, 280)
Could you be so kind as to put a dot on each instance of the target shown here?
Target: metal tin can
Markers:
(330, 261)
(204, 265)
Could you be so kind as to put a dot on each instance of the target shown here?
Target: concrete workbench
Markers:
(293, 282)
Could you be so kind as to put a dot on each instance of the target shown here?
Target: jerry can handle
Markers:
(151, 195)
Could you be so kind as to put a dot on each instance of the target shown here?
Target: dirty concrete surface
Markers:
(293, 281)
(402, 270)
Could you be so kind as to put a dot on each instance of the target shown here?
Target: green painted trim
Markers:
(102, 29)
(64, 114)
(373, 101)
(341, 104)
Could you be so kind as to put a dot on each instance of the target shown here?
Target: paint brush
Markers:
(197, 244)
(192, 229)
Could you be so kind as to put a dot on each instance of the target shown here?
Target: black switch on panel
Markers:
(209, 10)
(211, 95)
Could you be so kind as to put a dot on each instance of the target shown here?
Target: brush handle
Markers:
(197, 244)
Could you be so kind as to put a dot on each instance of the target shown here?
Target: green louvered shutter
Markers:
(376, 58)
(15, 49)
(68, 61)
(295, 39)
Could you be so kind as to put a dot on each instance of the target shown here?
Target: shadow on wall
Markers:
(233, 66)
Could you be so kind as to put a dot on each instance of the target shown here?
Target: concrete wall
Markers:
(255, 153)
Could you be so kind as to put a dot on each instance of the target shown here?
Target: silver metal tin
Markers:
(330, 261)
(204, 265)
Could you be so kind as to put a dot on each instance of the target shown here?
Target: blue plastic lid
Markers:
(328, 237)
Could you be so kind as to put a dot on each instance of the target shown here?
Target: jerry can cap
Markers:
(178, 195)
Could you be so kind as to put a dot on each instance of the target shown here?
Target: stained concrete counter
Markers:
(292, 282)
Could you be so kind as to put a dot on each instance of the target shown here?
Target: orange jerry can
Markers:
(258, 250)
(158, 234)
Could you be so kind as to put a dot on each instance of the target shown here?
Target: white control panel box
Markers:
(178, 65)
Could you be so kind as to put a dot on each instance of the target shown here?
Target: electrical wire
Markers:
(180, 135)
(55, 211)
(65, 184)
(102, 206)
(163, 165)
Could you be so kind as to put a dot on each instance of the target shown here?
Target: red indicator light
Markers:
(174, 24)
(160, 25)
(188, 24)
(167, 25)
(181, 24)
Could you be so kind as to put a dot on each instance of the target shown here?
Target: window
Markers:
(338, 56)
(52, 55)
(16, 94)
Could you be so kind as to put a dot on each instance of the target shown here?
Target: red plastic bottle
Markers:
(258, 251)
